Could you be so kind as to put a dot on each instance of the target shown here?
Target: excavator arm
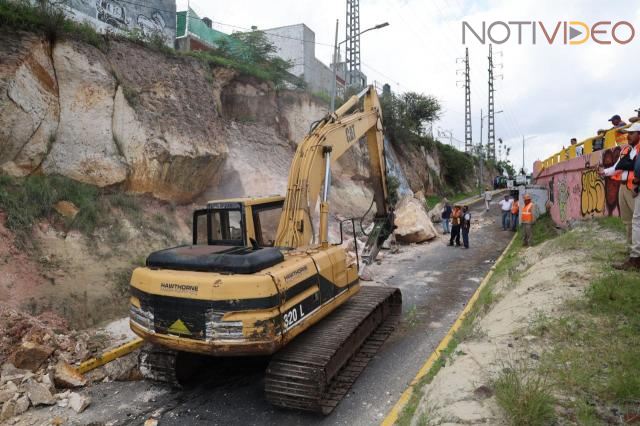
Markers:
(310, 171)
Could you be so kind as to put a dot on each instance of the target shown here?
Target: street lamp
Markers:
(482, 117)
(523, 140)
(336, 46)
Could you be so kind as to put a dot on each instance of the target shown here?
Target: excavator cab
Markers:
(247, 222)
(229, 236)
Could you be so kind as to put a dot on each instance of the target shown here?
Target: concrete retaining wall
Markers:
(576, 191)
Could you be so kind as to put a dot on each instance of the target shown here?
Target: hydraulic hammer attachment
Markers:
(382, 228)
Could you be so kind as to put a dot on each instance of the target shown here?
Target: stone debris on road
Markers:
(37, 357)
(79, 402)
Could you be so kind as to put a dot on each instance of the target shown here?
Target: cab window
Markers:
(265, 221)
(225, 225)
(218, 227)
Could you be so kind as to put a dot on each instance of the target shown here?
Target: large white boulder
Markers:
(412, 221)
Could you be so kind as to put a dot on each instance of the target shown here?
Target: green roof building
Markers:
(195, 33)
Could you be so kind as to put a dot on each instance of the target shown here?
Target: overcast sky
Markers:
(550, 92)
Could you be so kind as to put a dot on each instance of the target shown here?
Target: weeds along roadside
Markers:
(561, 385)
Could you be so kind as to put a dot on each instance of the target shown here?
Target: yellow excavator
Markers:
(257, 280)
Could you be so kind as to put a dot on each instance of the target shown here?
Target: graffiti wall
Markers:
(149, 17)
(577, 191)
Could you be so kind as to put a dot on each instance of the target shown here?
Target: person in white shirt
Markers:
(487, 198)
(505, 206)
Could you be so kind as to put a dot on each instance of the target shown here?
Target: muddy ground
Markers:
(436, 282)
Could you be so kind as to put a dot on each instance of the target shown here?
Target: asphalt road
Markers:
(436, 282)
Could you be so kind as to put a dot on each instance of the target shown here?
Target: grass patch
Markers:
(28, 200)
(596, 348)
(524, 396)
(48, 20)
(543, 229)
(612, 223)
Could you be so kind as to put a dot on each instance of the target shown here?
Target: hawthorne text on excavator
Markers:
(257, 281)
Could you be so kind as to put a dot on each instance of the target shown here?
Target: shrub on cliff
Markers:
(457, 167)
(48, 19)
(254, 49)
(405, 116)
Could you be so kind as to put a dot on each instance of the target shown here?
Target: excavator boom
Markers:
(311, 168)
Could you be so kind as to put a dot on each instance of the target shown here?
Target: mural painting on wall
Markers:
(563, 198)
(150, 18)
(611, 186)
(593, 193)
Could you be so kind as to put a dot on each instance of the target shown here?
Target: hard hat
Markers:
(635, 127)
(527, 196)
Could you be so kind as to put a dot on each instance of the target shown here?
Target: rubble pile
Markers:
(37, 355)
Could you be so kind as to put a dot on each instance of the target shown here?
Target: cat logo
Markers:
(178, 327)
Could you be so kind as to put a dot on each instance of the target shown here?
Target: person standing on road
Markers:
(456, 218)
(505, 206)
(633, 182)
(465, 226)
(527, 219)
(446, 217)
(487, 198)
(515, 211)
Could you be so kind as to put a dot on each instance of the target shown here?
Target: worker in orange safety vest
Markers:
(631, 184)
(622, 171)
(515, 211)
(527, 219)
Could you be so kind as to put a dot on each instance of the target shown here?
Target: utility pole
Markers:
(491, 131)
(468, 141)
(335, 71)
(482, 117)
(352, 57)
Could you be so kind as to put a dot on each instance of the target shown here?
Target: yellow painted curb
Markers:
(110, 355)
(394, 413)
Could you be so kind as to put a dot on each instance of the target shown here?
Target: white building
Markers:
(296, 43)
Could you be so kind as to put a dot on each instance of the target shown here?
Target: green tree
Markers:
(404, 116)
(254, 48)
(506, 166)
(415, 109)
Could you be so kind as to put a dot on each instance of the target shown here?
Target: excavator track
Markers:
(317, 369)
(167, 366)
(159, 364)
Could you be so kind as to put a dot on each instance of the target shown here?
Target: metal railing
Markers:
(609, 139)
